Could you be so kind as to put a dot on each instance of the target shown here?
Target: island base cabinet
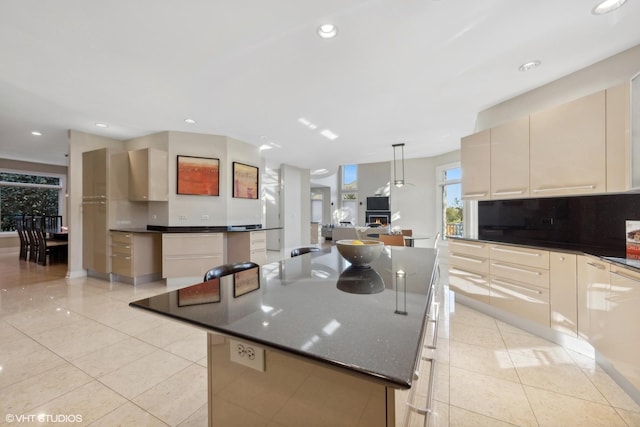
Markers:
(293, 392)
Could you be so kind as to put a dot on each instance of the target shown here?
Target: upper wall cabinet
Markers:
(148, 175)
(510, 160)
(618, 139)
(475, 156)
(568, 148)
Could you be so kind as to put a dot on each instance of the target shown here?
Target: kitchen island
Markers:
(299, 345)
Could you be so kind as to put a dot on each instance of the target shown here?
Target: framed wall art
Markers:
(203, 293)
(246, 281)
(245, 181)
(198, 176)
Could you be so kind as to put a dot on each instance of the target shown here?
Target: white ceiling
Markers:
(413, 71)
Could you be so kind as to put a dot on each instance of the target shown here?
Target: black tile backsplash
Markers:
(592, 224)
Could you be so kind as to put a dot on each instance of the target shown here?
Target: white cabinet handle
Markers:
(513, 285)
(464, 258)
(427, 409)
(598, 266)
(468, 273)
(512, 251)
(522, 270)
(507, 192)
(471, 245)
(474, 194)
(577, 187)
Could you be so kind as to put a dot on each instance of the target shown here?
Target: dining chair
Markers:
(30, 232)
(22, 235)
(407, 232)
(305, 250)
(392, 239)
(226, 269)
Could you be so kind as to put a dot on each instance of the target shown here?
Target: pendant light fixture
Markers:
(398, 175)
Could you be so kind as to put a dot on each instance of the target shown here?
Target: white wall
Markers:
(373, 179)
(242, 211)
(194, 208)
(415, 205)
(607, 73)
(295, 210)
(331, 201)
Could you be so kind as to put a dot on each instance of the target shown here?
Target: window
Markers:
(348, 211)
(453, 209)
(349, 208)
(316, 207)
(349, 177)
(28, 194)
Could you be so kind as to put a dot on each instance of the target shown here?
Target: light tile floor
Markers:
(74, 347)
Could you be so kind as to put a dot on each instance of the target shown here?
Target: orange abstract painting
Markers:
(199, 176)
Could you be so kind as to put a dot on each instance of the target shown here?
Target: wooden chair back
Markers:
(392, 239)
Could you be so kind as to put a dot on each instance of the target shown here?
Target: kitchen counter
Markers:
(300, 310)
(209, 229)
(298, 339)
(629, 263)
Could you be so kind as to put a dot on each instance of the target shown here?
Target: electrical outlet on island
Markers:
(247, 354)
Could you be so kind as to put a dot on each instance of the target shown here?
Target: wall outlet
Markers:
(205, 217)
(154, 216)
(182, 217)
(247, 354)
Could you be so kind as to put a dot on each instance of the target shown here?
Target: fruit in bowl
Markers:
(360, 253)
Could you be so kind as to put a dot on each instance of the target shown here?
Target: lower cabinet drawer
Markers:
(469, 262)
(523, 300)
(520, 273)
(122, 264)
(470, 284)
(189, 266)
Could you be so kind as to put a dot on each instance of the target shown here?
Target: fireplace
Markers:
(378, 217)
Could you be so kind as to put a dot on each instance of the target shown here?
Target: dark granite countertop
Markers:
(299, 309)
(209, 229)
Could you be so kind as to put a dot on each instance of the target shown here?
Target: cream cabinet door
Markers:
(568, 149)
(593, 286)
(618, 138)
(148, 175)
(475, 157)
(562, 297)
(622, 344)
(510, 160)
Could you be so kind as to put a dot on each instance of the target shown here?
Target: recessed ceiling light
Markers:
(265, 147)
(101, 125)
(328, 134)
(327, 31)
(190, 121)
(607, 6)
(36, 133)
(529, 65)
(319, 171)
